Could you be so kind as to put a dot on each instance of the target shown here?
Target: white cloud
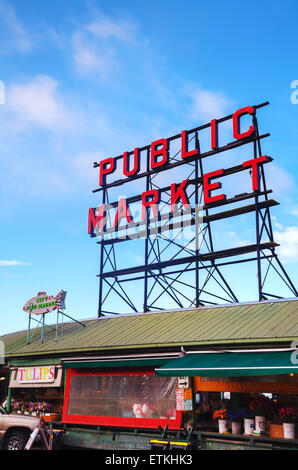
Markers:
(38, 103)
(13, 263)
(276, 224)
(280, 181)
(294, 211)
(97, 45)
(20, 38)
(208, 104)
(117, 29)
(288, 240)
(91, 59)
(83, 165)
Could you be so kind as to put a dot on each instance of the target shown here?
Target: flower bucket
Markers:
(223, 426)
(49, 417)
(249, 426)
(236, 427)
(289, 430)
(260, 424)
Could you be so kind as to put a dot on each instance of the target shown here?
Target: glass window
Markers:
(127, 396)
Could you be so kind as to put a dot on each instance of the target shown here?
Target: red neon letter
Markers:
(52, 373)
(155, 200)
(157, 152)
(255, 174)
(105, 170)
(93, 221)
(136, 163)
(214, 134)
(184, 147)
(122, 211)
(208, 187)
(177, 194)
(236, 123)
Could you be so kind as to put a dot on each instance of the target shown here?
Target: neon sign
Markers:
(183, 194)
(158, 161)
(44, 303)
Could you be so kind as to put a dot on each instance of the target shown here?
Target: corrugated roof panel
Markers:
(245, 321)
(235, 323)
(264, 324)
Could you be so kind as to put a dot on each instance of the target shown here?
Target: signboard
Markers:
(44, 303)
(180, 399)
(35, 375)
(176, 262)
(184, 399)
(116, 217)
(183, 382)
(188, 399)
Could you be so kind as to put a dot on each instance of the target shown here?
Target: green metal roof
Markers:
(251, 323)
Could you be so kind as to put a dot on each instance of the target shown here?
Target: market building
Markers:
(186, 372)
(117, 381)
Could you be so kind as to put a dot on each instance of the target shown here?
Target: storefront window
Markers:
(123, 396)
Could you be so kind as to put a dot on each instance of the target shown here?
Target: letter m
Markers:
(94, 220)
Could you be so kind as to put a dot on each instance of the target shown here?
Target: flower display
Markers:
(239, 415)
(30, 407)
(46, 407)
(288, 414)
(39, 407)
(16, 406)
(220, 414)
(261, 406)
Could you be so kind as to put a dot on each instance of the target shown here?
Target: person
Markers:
(215, 404)
(5, 403)
(204, 412)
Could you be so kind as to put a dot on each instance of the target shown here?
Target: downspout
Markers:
(8, 408)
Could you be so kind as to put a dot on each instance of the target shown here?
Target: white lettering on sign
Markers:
(180, 399)
(38, 374)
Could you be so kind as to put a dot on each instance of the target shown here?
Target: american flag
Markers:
(61, 299)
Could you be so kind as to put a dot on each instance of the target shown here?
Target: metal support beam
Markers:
(199, 262)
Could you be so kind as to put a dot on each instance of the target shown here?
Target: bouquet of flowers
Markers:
(30, 406)
(16, 406)
(288, 414)
(24, 406)
(39, 407)
(46, 407)
(261, 406)
(237, 415)
(220, 414)
(247, 413)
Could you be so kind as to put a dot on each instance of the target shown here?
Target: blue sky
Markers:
(85, 80)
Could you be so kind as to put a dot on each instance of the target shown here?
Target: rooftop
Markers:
(268, 322)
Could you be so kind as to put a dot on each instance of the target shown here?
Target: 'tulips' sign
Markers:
(44, 374)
